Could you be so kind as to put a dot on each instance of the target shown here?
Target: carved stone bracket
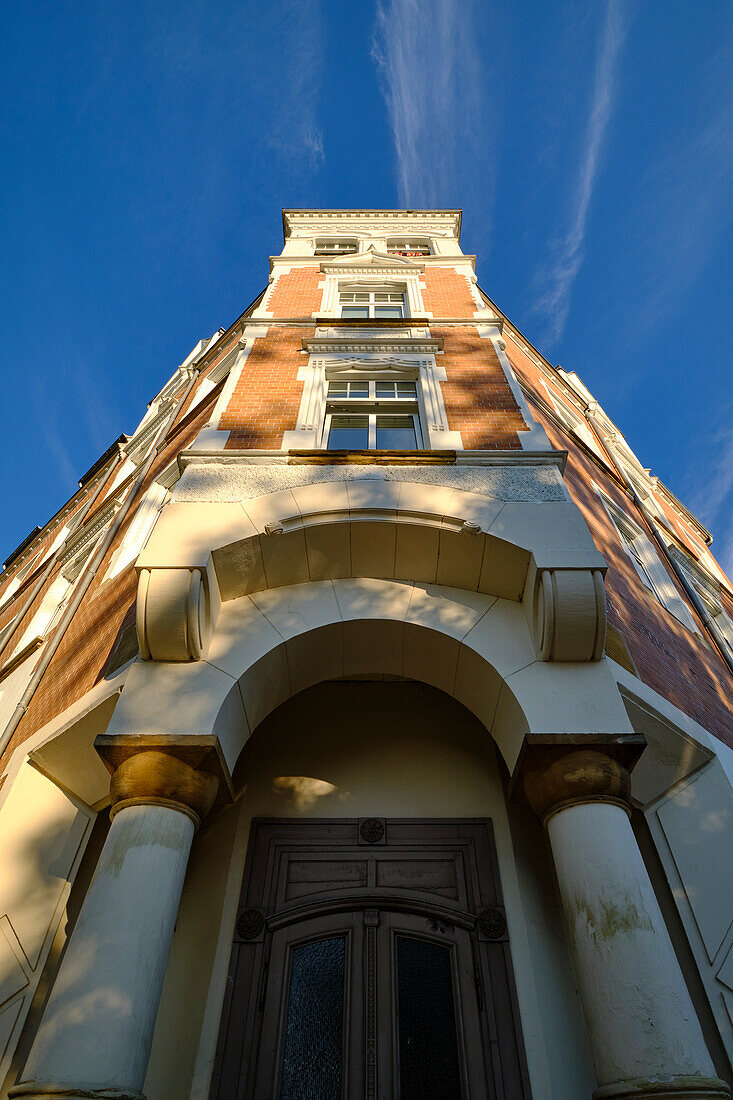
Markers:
(569, 614)
(173, 614)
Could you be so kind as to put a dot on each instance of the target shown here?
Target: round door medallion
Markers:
(371, 830)
(492, 923)
(250, 923)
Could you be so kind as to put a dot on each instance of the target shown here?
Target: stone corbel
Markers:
(569, 614)
(173, 614)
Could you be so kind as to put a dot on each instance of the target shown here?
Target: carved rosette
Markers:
(173, 614)
(569, 614)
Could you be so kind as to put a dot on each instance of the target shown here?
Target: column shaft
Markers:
(644, 1033)
(97, 1029)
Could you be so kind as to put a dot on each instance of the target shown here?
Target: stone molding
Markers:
(157, 778)
(37, 1090)
(553, 777)
(173, 614)
(569, 614)
(673, 1088)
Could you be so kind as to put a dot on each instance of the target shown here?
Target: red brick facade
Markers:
(682, 666)
(480, 404)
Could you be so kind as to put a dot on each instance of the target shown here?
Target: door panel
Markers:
(310, 1045)
(371, 961)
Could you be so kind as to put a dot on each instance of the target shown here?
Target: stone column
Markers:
(644, 1034)
(95, 1036)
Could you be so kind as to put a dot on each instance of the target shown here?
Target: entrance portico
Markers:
(516, 637)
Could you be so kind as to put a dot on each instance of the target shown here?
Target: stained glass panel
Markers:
(428, 1049)
(313, 1048)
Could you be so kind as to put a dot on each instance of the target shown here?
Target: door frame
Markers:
(470, 898)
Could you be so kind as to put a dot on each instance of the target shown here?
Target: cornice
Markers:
(449, 217)
(361, 346)
(425, 261)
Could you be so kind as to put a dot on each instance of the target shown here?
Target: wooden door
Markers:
(371, 962)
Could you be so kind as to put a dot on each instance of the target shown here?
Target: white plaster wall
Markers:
(42, 838)
(357, 749)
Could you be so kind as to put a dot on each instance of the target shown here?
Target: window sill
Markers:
(372, 457)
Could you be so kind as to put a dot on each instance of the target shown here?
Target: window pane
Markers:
(337, 389)
(313, 1047)
(388, 311)
(348, 433)
(358, 389)
(428, 1049)
(396, 433)
(385, 389)
(355, 311)
(406, 389)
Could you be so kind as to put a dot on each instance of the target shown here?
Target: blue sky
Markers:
(150, 147)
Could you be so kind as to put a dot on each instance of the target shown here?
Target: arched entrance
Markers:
(371, 953)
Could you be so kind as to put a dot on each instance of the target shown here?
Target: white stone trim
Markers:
(664, 588)
(139, 530)
(534, 437)
(423, 369)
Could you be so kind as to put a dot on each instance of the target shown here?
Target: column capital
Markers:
(154, 777)
(553, 774)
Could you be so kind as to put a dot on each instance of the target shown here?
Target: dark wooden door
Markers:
(371, 960)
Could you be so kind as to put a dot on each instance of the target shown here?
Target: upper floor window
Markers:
(646, 561)
(408, 247)
(372, 415)
(379, 304)
(327, 247)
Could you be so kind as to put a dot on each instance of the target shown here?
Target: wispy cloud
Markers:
(683, 213)
(556, 281)
(430, 74)
(293, 95)
(711, 489)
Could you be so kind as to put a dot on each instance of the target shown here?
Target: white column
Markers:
(641, 1022)
(644, 1034)
(97, 1029)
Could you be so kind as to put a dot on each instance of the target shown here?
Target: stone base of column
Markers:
(38, 1090)
(674, 1088)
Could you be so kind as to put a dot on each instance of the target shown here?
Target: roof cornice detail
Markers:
(440, 219)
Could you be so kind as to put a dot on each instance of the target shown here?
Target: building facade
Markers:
(367, 722)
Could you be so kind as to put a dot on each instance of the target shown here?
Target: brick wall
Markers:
(80, 660)
(447, 293)
(682, 666)
(267, 397)
(296, 293)
(478, 400)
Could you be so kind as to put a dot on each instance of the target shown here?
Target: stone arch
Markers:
(203, 555)
(272, 644)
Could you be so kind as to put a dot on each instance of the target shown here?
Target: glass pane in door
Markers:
(428, 1049)
(313, 1046)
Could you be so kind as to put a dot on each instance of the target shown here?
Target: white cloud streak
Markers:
(554, 300)
(429, 68)
(294, 97)
(711, 488)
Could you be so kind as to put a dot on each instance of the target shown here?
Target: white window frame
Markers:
(372, 407)
(409, 246)
(707, 594)
(647, 564)
(140, 528)
(373, 304)
(339, 246)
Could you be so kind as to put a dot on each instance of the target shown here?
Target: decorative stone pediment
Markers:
(357, 366)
